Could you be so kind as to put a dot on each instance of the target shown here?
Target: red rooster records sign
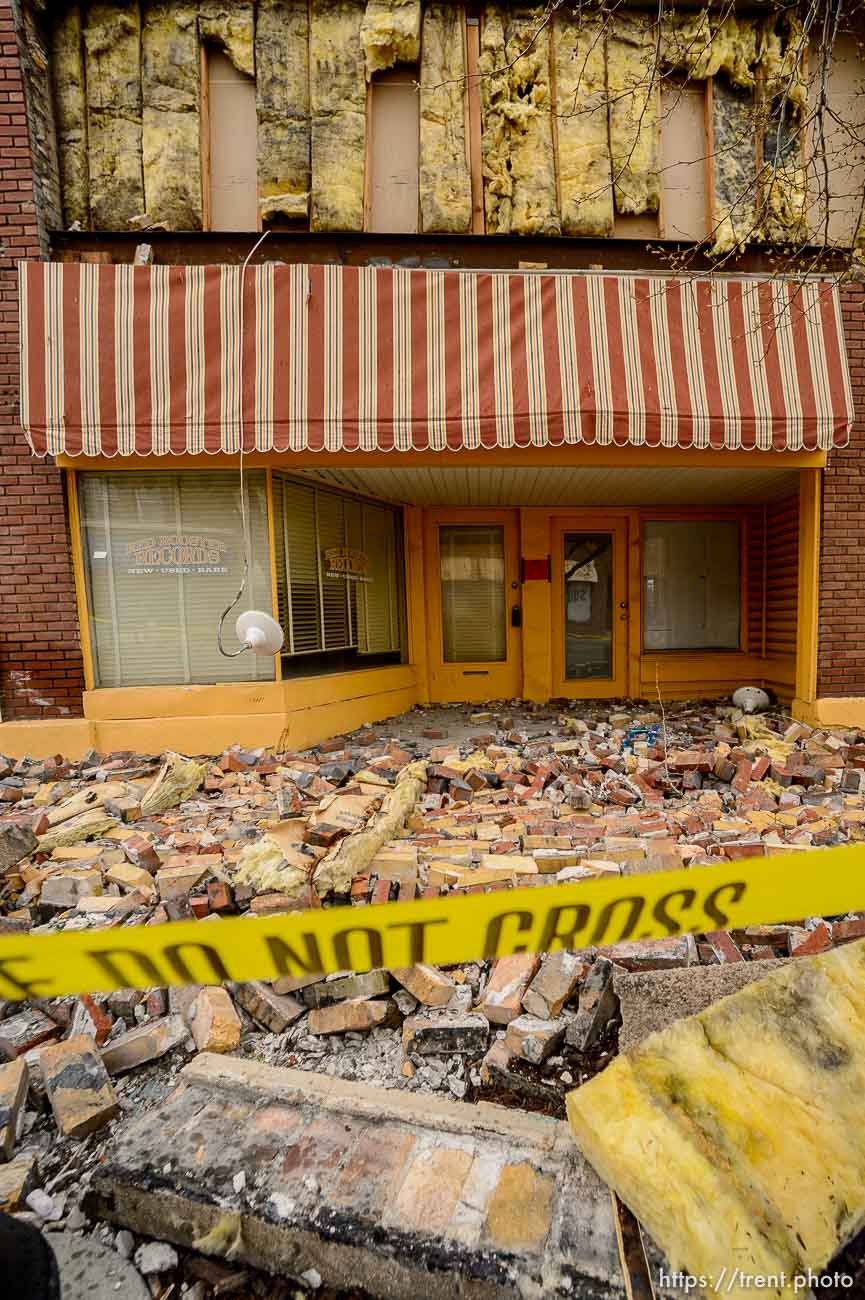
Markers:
(179, 553)
(345, 562)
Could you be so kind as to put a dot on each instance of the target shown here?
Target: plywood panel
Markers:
(845, 149)
(684, 191)
(233, 179)
(394, 151)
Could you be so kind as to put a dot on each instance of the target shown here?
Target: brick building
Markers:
(527, 406)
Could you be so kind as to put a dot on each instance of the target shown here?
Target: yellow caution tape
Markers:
(441, 931)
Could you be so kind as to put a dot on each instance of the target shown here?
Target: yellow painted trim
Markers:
(274, 588)
(472, 681)
(415, 598)
(536, 606)
(591, 688)
(808, 599)
(635, 601)
(843, 711)
(79, 578)
(207, 719)
(520, 457)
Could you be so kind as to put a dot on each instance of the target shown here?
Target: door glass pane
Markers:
(691, 585)
(473, 594)
(588, 586)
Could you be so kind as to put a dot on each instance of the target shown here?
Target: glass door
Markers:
(473, 603)
(590, 610)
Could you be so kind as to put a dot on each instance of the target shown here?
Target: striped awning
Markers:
(123, 360)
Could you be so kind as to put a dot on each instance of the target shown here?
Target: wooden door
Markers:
(590, 620)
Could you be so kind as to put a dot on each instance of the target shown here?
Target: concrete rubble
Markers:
(441, 801)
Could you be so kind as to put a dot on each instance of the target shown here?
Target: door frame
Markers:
(591, 688)
(472, 682)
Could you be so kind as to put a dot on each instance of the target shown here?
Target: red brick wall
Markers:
(41, 673)
(841, 658)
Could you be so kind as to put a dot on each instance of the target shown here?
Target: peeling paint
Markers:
(171, 139)
(282, 106)
(517, 138)
(112, 42)
(338, 103)
(67, 64)
(390, 33)
(231, 27)
(585, 179)
(633, 91)
(445, 175)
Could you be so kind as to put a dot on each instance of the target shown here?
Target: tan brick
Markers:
(174, 882)
(502, 1000)
(78, 1086)
(431, 1189)
(267, 1008)
(520, 1209)
(17, 1179)
(144, 1043)
(356, 1015)
(554, 983)
(14, 1081)
(426, 983)
(129, 877)
(214, 1022)
(534, 1039)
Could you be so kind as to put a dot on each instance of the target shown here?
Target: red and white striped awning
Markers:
(123, 360)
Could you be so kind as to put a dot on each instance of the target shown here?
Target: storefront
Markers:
(456, 486)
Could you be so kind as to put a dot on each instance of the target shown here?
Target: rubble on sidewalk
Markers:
(439, 801)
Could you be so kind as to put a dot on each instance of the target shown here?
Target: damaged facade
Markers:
(462, 367)
(566, 126)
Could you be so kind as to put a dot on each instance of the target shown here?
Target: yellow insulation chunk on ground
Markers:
(632, 84)
(390, 33)
(445, 176)
(735, 1136)
(585, 180)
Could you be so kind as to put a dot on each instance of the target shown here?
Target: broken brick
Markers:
(273, 1011)
(14, 1082)
(145, 1043)
(502, 999)
(357, 1015)
(213, 1020)
(78, 1087)
(428, 984)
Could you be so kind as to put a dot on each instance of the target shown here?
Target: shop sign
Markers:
(345, 562)
(177, 553)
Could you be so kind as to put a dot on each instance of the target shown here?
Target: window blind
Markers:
(339, 581)
(473, 593)
(163, 556)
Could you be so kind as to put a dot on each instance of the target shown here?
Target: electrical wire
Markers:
(232, 654)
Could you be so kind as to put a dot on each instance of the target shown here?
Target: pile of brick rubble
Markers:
(440, 801)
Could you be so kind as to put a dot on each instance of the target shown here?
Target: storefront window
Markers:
(691, 597)
(163, 556)
(340, 579)
(588, 587)
(473, 593)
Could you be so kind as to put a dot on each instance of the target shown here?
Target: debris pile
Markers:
(440, 801)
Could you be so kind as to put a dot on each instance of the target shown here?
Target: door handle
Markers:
(516, 616)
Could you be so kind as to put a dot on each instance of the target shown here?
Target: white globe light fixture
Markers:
(258, 632)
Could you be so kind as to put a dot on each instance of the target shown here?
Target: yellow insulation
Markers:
(338, 105)
(585, 180)
(282, 106)
(734, 169)
(67, 62)
(112, 42)
(390, 33)
(445, 176)
(632, 84)
(702, 45)
(171, 123)
(517, 136)
(231, 27)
